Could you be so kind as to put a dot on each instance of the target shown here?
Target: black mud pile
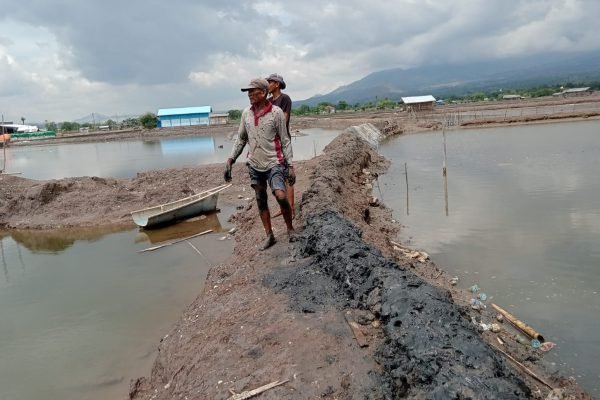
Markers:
(430, 349)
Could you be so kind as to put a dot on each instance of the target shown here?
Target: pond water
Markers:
(82, 311)
(123, 159)
(523, 223)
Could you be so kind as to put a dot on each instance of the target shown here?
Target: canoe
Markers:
(200, 203)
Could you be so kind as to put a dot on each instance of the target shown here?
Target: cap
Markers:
(257, 83)
(277, 78)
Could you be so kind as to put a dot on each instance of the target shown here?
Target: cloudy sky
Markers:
(63, 59)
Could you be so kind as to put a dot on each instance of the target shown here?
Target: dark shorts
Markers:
(276, 177)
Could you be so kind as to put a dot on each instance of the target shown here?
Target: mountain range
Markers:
(442, 79)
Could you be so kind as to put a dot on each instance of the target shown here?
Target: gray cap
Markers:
(277, 78)
(257, 83)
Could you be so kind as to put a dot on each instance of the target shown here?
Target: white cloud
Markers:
(65, 59)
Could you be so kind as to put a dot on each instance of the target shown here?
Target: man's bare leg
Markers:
(265, 215)
(290, 195)
(286, 211)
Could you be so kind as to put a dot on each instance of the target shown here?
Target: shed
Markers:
(419, 103)
(512, 97)
(219, 118)
(185, 116)
(577, 92)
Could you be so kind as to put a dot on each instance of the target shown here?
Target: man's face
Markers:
(272, 86)
(257, 96)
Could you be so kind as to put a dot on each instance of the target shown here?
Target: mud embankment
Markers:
(284, 313)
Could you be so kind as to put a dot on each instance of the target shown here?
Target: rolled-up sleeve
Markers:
(241, 140)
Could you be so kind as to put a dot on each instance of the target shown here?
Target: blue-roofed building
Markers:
(184, 116)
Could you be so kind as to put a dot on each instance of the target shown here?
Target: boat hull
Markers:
(201, 203)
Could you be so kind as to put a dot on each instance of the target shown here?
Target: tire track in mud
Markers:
(430, 349)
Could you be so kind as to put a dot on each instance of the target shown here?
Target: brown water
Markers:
(82, 312)
(523, 223)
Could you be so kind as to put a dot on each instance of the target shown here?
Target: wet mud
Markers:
(430, 349)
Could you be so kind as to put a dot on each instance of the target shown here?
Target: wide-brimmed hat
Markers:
(277, 78)
(257, 83)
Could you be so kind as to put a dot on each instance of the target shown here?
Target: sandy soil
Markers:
(286, 313)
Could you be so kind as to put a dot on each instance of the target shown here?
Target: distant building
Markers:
(419, 103)
(219, 118)
(512, 97)
(328, 110)
(577, 92)
(185, 116)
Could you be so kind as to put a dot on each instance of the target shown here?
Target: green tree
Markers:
(130, 123)
(51, 126)
(302, 110)
(112, 124)
(342, 105)
(235, 115)
(70, 126)
(149, 120)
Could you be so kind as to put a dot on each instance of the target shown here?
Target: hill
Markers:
(458, 79)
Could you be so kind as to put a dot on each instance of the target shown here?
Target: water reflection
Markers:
(82, 311)
(124, 159)
(181, 230)
(58, 240)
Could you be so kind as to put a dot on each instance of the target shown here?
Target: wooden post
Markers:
(445, 174)
(406, 179)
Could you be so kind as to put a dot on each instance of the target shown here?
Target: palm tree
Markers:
(23, 120)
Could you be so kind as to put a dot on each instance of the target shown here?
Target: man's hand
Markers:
(291, 175)
(227, 173)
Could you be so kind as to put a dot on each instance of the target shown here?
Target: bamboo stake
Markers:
(524, 368)
(445, 174)
(251, 393)
(175, 241)
(526, 329)
(406, 178)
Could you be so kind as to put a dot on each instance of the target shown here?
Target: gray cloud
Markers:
(144, 55)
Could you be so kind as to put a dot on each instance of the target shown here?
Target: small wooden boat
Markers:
(200, 203)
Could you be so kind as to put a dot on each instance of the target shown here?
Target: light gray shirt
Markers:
(267, 137)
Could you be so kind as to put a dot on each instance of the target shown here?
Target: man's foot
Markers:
(269, 241)
(293, 236)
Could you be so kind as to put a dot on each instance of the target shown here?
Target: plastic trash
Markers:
(482, 296)
(535, 344)
(495, 328)
(547, 346)
(474, 289)
(499, 317)
(477, 304)
(453, 281)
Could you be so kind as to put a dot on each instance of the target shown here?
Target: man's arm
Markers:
(241, 139)
(286, 106)
(284, 137)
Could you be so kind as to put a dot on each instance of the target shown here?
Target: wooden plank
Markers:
(357, 331)
(173, 242)
(251, 393)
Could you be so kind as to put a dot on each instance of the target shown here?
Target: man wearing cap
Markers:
(263, 128)
(283, 101)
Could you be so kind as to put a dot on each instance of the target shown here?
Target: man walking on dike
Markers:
(283, 101)
(270, 150)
